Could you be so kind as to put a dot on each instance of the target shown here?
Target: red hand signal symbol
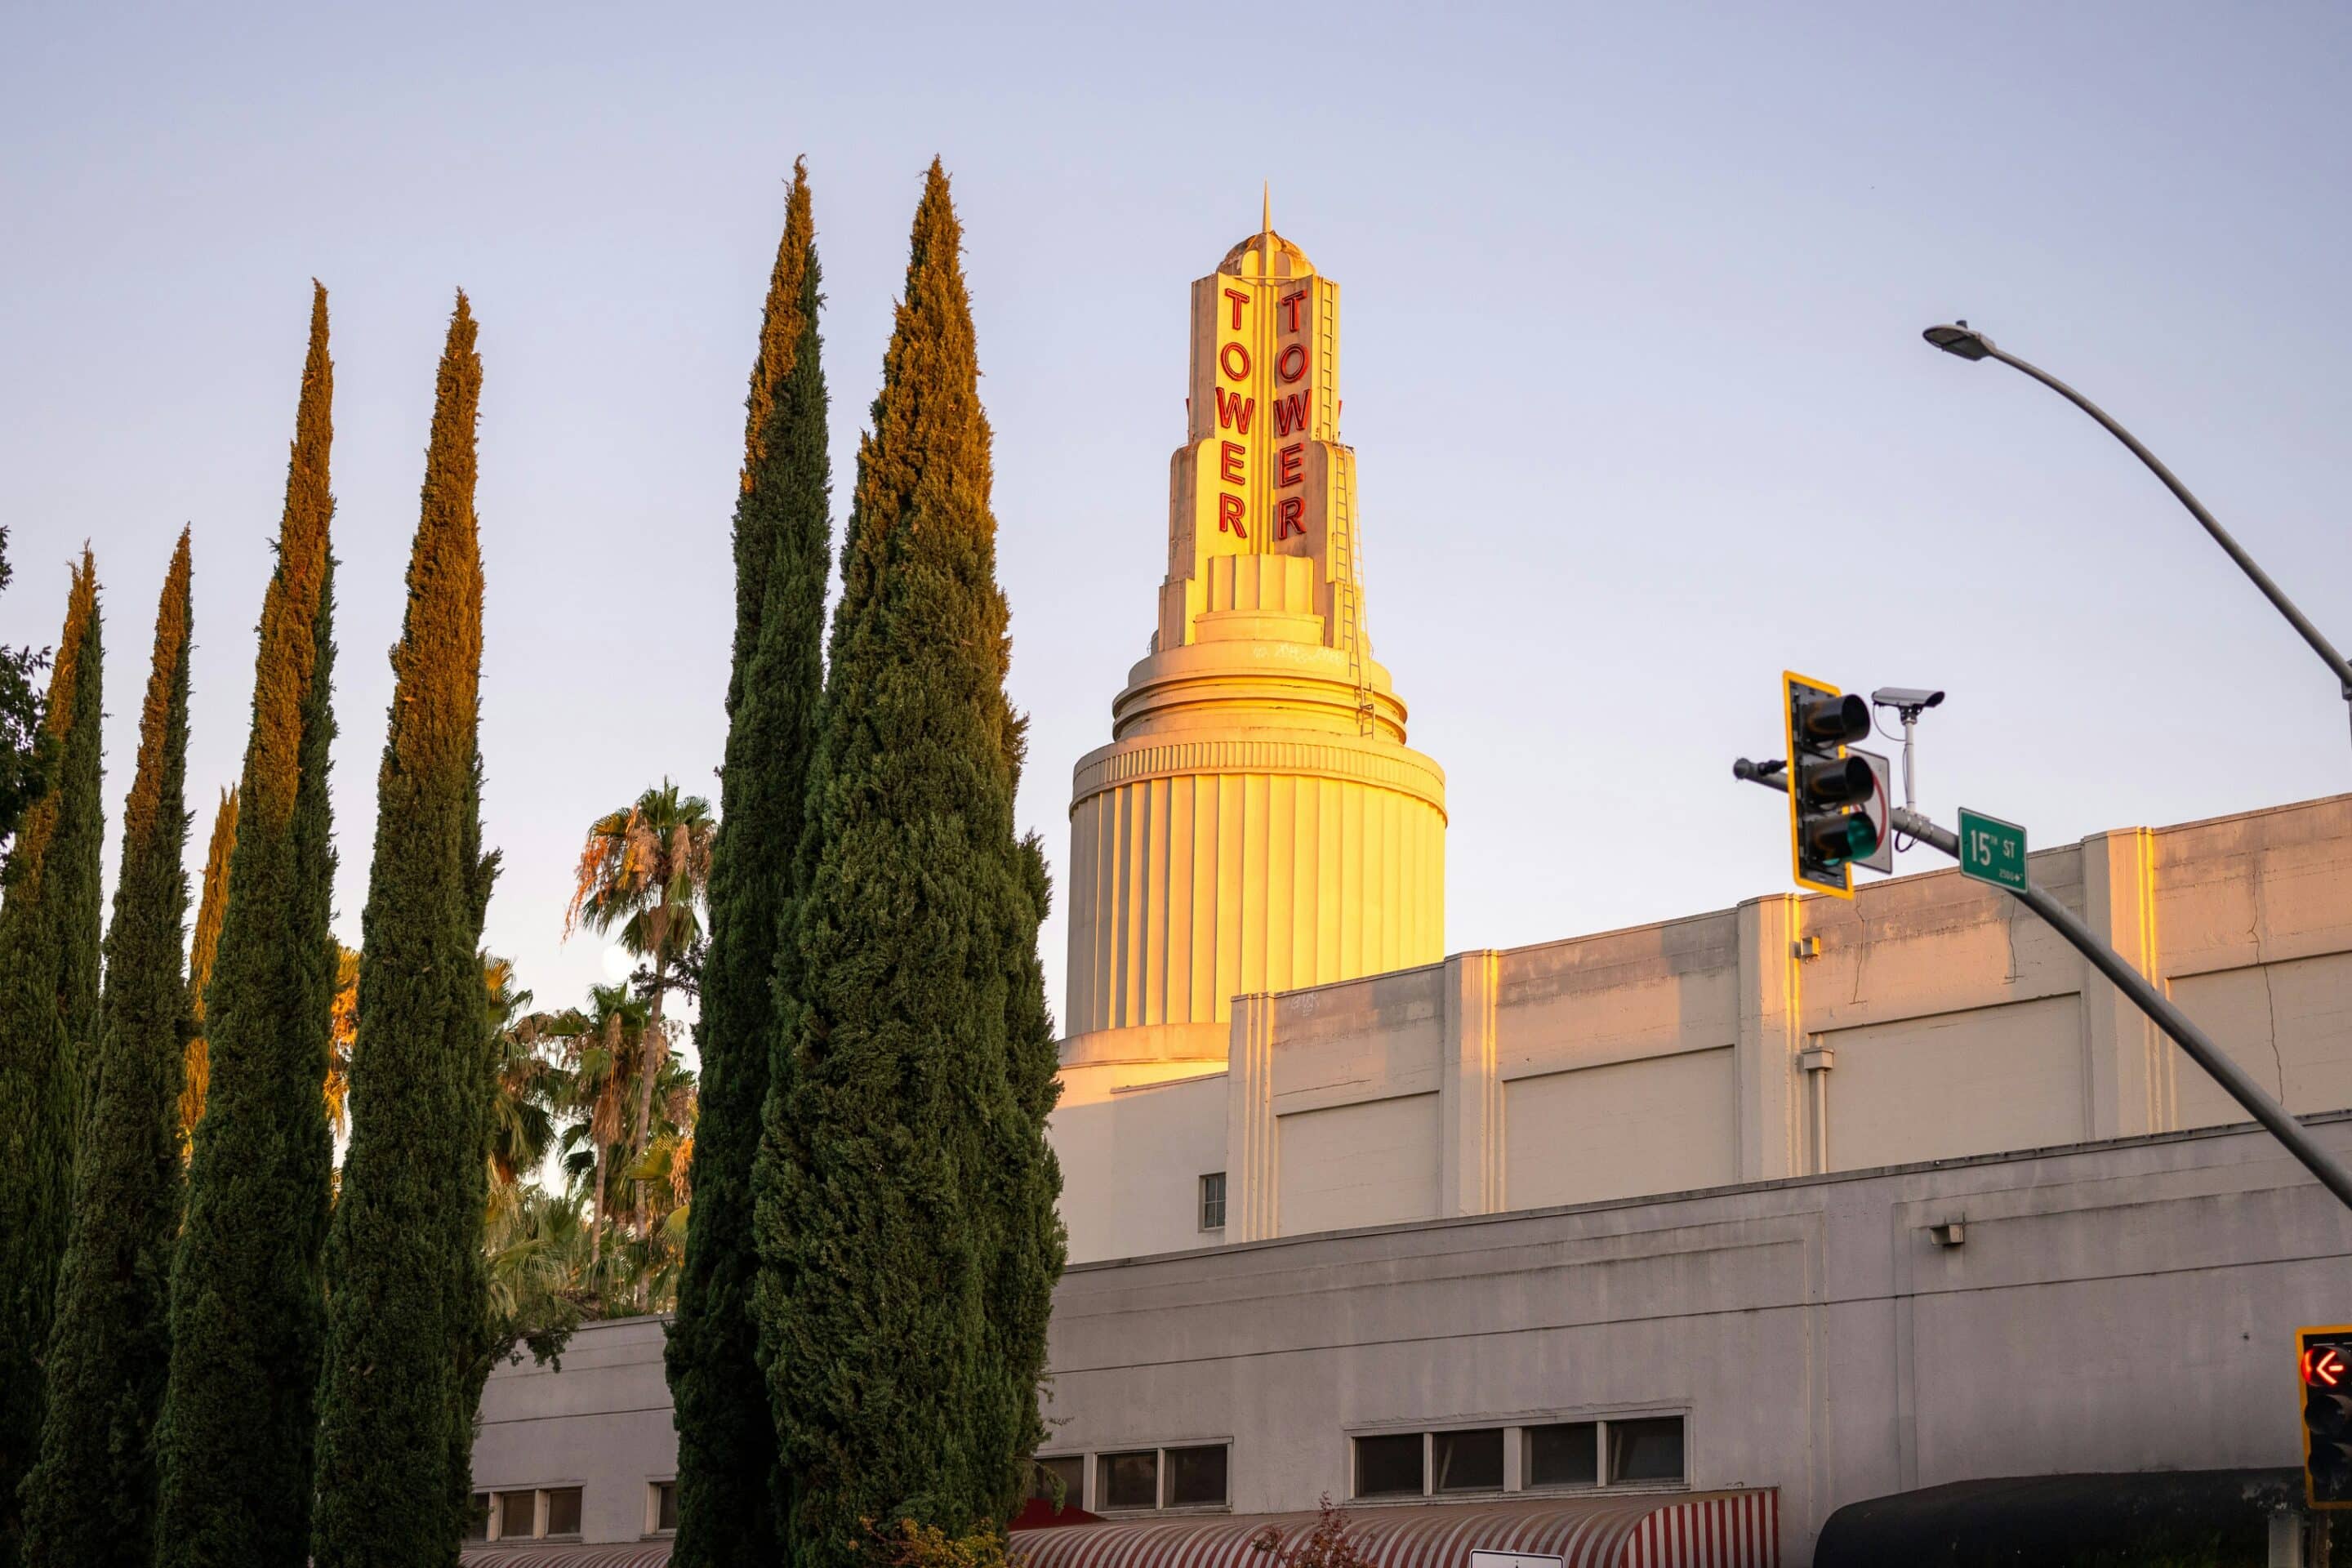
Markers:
(2323, 1367)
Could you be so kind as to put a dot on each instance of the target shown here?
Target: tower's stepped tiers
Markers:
(1257, 822)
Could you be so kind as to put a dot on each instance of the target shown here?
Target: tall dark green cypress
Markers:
(726, 1434)
(409, 1217)
(235, 1439)
(90, 1500)
(902, 1385)
(49, 1027)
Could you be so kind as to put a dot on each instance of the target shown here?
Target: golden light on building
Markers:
(1257, 822)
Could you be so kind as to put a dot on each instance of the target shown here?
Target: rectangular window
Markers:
(518, 1515)
(1647, 1449)
(1469, 1461)
(1196, 1477)
(1129, 1481)
(1212, 1201)
(563, 1511)
(1567, 1455)
(1389, 1464)
(1070, 1470)
(664, 1505)
(477, 1516)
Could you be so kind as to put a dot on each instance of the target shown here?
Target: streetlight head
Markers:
(1962, 340)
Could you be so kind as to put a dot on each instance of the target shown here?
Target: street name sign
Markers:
(1513, 1560)
(1992, 850)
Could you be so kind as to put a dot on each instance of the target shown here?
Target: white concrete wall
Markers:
(1132, 1158)
(1662, 1124)
(602, 1424)
(2118, 1307)
(2121, 1306)
(1373, 1163)
(1930, 1017)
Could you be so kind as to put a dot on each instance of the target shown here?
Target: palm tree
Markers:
(535, 1246)
(529, 1083)
(634, 1267)
(645, 869)
(666, 1173)
(604, 1049)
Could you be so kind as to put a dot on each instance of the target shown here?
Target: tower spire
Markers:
(1258, 822)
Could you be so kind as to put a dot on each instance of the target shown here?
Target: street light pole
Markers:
(1965, 343)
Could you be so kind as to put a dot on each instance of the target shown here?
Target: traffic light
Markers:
(2324, 1362)
(1828, 828)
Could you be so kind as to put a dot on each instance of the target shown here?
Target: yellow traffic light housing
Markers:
(1828, 828)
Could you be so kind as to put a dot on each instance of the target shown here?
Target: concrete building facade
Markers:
(2128, 1305)
(1931, 1017)
(1770, 1209)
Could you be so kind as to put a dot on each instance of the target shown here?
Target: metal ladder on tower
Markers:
(1346, 588)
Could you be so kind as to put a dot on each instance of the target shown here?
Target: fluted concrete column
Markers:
(1771, 1034)
(1252, 1173)
(2130, 1069)
(1470, 1089)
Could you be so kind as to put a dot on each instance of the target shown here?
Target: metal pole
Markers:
(2261, 579)
(2235, 1079)
(1910, 788)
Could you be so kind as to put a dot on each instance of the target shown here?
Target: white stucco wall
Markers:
(2117, 1307)
(1931, 1017)
(600, 1422)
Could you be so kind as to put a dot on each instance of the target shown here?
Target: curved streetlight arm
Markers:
(2271, 591)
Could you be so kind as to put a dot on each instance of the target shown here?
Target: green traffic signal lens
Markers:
(1860, 836)
(1832, 840)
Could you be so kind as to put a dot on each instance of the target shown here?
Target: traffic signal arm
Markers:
(2233, 1079)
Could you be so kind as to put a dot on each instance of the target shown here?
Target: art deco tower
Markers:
(1257, 822)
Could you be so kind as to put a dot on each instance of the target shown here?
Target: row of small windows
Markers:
(541, 1513)
(1607, 1451)
(1133, 1480)
(1643, 1450)
(530, 1515)
(1639, 1450)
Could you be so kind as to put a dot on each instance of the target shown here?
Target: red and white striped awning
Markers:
(1690, 1530)
(568, 1554)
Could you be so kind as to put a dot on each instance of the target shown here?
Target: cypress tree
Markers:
(48, 1022)
(213, 902)
(234, 1438)
(897, 1380)
(90, 1501)
(401, 1300)
(726, 1436)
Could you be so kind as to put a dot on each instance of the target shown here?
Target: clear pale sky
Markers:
(1631, 362)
